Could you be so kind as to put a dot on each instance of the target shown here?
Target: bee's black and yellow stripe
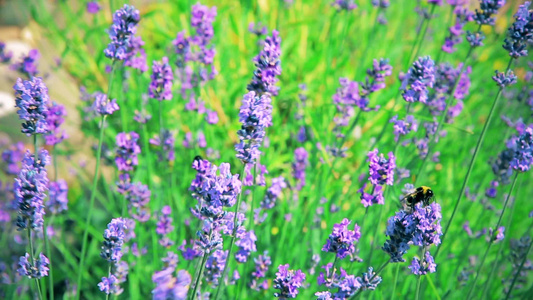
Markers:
(422, 194)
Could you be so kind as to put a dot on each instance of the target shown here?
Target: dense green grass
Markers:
(319, 45)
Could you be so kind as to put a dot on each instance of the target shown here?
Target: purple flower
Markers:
(255, 116)
(121, 33)
(273, 192)
(418, 79)
(55, 117)
(423, 267)
(379, 71)
(262, 262)
(503, 80)
(196, 48)
(421, 228)
(381, 170)
(138, 197)
(462, 16)
(488, 9)
(31, 98)
(341, 241)
(29, 189)
(169, 287)
(202, 18)
(35, 269)
(103, 106)
(113, 240)
(287, 282)
(497, 236)
(299, 165)
(164, 226)
(161, 85)
(246, 243)
(349, 95)
(28, 64)
(268, 67)
(5, 56)
(403, 127)
(57, 192)
(257, 29)
(375, 197)
(93, 7)
(475, 39)
(521, 32)
(522, 158)
(167, 143)
(369, 280)
(110, 285)
(211, 117)
(214, 266)
(13, 156)
(214, 188)
(127, 151)
(346, 5)
(491, 192)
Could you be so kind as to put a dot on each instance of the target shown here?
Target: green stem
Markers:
(497, 263)
(200, 274)
(90, 208)
(32, 256)
(472, 288)
(472, 161)
(50, 264)
(524, 259)
(108, 275)
(417, 293)
(424, 33)
(395, 281)
(232, 241)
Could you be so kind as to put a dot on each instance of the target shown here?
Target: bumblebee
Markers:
(422, 194)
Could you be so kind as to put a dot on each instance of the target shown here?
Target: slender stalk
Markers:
(32, 256)
(473, 287)
(200, 274)
(395, 281)
(251, 214)
(417, 293)
(424, 32)
(49, 253)
(497, 263)
(108, 275)
(472, 161)
(91, 207)
(232, 241)
(519, 270)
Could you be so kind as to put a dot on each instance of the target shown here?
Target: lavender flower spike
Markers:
(381, 170)
(29, 189)
(113, 240)
(418, 79)
(255, 115)
(37, 268)
(268, 66)
(31, 98)
(341, 240)
(521, 32)
(121, 33)
(103, 106)
(523, 151)
(287, 282)
(161, 86)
